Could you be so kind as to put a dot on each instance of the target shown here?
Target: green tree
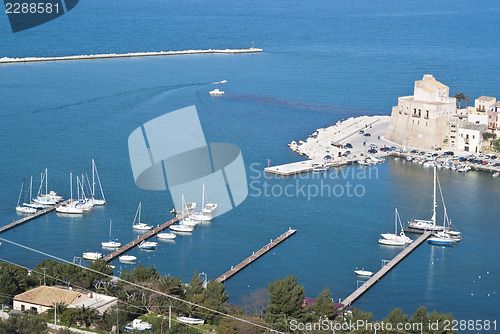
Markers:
(421, 316)
(459, 97)
(396, 317)
(141, 274)
(285, 301)
(86, 316)
(13, 280)
(195, 285)
(116, 314)
(23, 324)
(323, 308)
(214, 297)
(439, 319)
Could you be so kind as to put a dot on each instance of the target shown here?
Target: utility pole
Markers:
(170, 316)
(44, 274)
(117, 324)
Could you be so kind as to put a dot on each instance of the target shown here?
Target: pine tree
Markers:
(285, 301)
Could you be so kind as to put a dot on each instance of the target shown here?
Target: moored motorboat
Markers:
(148, 245)
(92, 256)
(363, 272)
(181, 228)
(190, 321)
(165, 236)
(127, 258)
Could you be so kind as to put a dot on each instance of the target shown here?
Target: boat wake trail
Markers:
(156, 90)
(297, 104)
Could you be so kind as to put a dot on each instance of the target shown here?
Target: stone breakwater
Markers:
(6, 60)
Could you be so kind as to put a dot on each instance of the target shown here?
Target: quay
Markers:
(6, 60)
(385, 269)
(143, 237)
(234, 270)
(31, 217)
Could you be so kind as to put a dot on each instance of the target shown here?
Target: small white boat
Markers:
(440, 240)
(391, 242)
(190, 222)
(166, 236)
(138, 325)
(71, 207)
(94, 200)
(111, 243)
(25, 208)
(363, 272)
(148, 245)
(92, 256)
(139, 225)
(127, 258)
(216, 92)
(495, 174)
(190, 321)
(395, 239)
(181, 228)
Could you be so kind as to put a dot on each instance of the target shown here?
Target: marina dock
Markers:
(273, 243)
(143, 237)
(385, 269)
(26, 219)
(6, 60)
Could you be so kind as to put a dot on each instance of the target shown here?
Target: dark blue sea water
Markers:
(322, 62)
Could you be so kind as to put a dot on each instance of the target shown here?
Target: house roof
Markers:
(474, 126)
(47, 295)
(436, 83)
(486, 98)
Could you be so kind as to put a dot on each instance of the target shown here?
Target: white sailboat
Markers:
(427, 225)
(207, 211)
(111, 243)
(49, 198)
(395, 239)
(72, 206)
(23, 208)
(32, 204)
(95, 175)
(84, 203)
(139, 225)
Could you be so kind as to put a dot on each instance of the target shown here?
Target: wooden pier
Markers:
(385, 269)
(143, 237)
(234, 270)
(26, 219)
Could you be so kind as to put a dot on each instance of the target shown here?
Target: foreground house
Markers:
(43, 298)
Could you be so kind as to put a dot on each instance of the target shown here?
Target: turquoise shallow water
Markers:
(321, 63)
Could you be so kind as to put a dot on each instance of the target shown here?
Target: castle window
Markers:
(426, 123)
(427, 113)
(419, 113)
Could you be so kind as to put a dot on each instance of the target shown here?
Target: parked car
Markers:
(372, 150)
(497, 164)
(421, 153)
(373, 146)
(414, 151)
(493, 157)
(484, 162)
(449, 153)
(361, 131)
(346, 153)
(347, 145)
(366, 134)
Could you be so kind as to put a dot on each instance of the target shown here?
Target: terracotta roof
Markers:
(46, 295)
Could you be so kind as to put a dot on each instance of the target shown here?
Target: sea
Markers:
(322, 62)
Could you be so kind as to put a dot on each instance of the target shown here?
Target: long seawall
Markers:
(7, 60)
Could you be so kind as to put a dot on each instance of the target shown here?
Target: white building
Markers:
(421, 120)
(470, 137)
(43, 298)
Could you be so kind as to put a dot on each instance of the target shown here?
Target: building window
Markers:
(33, 308)
(419, 113)
(22, 308)
(427, 114)
(426, 123)
(466, 148)
(473, 136)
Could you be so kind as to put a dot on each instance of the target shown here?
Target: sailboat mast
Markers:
(46, 181)
(203, 198)
(93, 179)
(31, 187)
(434, 200)
(20, 192)
(110, 230)
(71, 185)
(396, 221)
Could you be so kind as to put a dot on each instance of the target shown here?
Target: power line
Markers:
(140, 286)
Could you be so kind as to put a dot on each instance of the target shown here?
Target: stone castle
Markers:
(421, 120)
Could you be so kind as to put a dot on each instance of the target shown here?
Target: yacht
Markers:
(139, 225)
(148, 245)
(111, 243)
(181, 228)
(92, 256)
(127, 258)
(396, 239)
(166, 236)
